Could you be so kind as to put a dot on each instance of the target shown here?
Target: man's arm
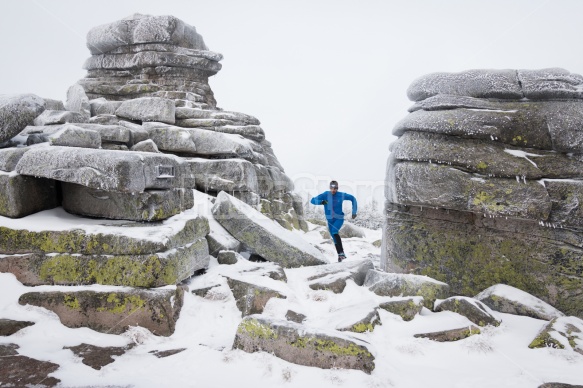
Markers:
(352, 199)
(319, 200)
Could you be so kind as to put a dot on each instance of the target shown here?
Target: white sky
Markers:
(327, 78)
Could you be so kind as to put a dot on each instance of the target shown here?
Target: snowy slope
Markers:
(499, 357)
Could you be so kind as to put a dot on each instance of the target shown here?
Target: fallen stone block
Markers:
(301, 345)
(359, 322)
(406, 307)
(223, 174)
(104, 120)
(450, 335)
(148, 109)
(24, 195)
(149, 270)
(79, 235)
(511, 300)
(262, 235)
(561, 333)
(128, 172)
(333, 277)
(22, 371)
(16, 112)
(151, 205)
(473, 309)
(251, 298)
(77, 101)
(113, 312)
(52, 117)
(171, 139)
(396, 284)
(110, 133)
(229, 257)
(10, 326)
(295, 317)
(54, 104)
(74, 136)
(100, 106)
(98, 356)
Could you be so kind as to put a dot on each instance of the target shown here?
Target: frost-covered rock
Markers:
(450, 335)
(473, 309)
(511, 300)
(148, 109)
(113, 312)
(145, 146)
(101, 169)
(348, 230)
(52, 117)
(74, 136)
(54, 104)
(23, 195)
(224, 174)
(406, 307)
(483, 185)
(229, 257)
(150, 205)
(561, 333)
(100, 106)
(9, 157)
(110, 133)
(16, 112)
(395, 284)
(251, 298)
(301, 345)
(262, 235)
(77, 101)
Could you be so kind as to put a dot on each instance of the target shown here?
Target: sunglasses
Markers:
(333, 187)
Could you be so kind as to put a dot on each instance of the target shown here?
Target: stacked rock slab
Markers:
(485, 184)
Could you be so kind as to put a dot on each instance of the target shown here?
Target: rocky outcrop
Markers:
(333, 277)
(10, 326)
(301, 345)
(482, 185)
(16, 112)
(561, 333)
(251, 298)
(405, 307)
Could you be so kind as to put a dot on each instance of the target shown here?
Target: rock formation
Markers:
(484, 184)
(136, 143)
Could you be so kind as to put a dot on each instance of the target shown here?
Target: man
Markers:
(332, 201)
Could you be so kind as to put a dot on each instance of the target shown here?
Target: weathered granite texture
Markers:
(482, 186)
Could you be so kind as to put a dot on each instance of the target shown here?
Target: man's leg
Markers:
(334, 228)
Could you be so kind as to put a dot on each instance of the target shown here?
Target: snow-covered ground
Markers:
(499, 357)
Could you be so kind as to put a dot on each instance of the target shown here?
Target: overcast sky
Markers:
(327, 78)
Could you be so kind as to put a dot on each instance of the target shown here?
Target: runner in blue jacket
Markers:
(332, 201)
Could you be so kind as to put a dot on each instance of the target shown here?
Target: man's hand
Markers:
(353, 216)
(324, 202)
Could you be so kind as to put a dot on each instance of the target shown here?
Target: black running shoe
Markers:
(341, 256)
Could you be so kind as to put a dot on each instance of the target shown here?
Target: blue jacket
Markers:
(333, 209)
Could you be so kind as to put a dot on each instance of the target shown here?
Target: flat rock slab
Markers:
(16, 112)
(9, 157)
(137, 29)
(22, 371)
(150, 205)
(300, 345)
(9, 326)
(561, 333)
(113, 312)
(190, 113)
(150, 270)
(251, 298)
(129, 172)
(406, 307)
(100, 106)
(425, 184)
(333, 277)
(396, 284)
(484, 157)
(145, 146)
(357, 321)
(52, 117)
(97, 356)
(23, 195)
(559, 385)
(74, 136)
(74, 234)
(473, 309)
(148, 109)
(511, 300)
(263, 235)
(450, 335)
(109, 132)
(223, 174)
